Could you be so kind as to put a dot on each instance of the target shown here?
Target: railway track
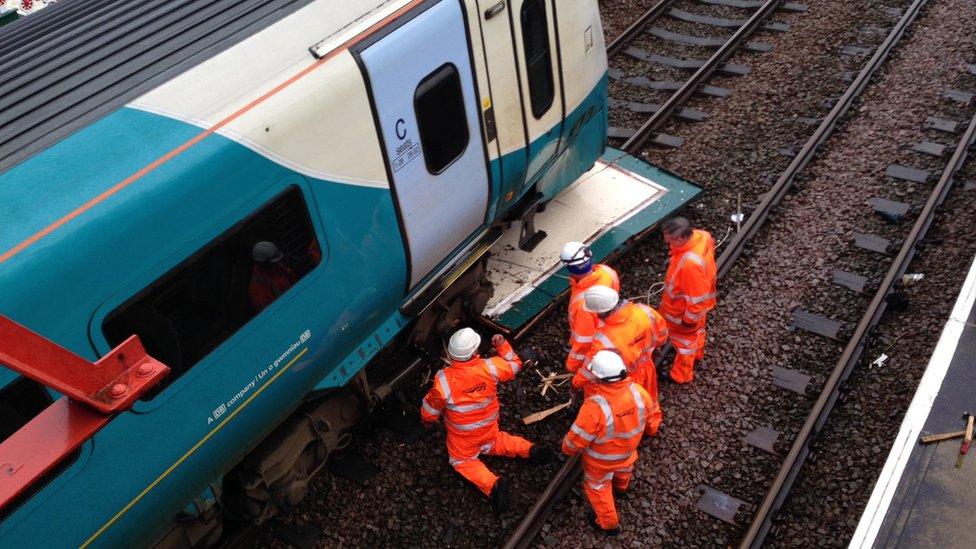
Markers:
(669, 22)
(570, 472)
(886, 294)
(854, 349)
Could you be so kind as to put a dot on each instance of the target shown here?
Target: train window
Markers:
(196, 306)
(538, 60)
(442, 121)
(20, 401)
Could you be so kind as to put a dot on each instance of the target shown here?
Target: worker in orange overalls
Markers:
(610, 424)
(583, 275)
(634, 330)
(466, 392)
(270, 276)
(689, 293)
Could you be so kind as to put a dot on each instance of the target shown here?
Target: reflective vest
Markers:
(268, 283)
(466, 392)
(689, 286)
(611, 422)
(582, 323)
(633, 332)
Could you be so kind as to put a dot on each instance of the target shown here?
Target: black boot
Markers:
(665, 376)
(540, 455)
(499, 496)
(615, 531)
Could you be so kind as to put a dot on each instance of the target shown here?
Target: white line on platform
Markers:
(918, 412)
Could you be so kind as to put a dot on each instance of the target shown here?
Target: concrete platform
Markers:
(921, 498)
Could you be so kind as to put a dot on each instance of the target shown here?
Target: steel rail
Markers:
(678, 98)
(624, 39)
(788, 472)
(785, 181)
(526, 531)
(570, 471)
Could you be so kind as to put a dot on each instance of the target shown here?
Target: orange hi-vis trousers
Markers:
(464, 452)
(598, 484)
(689, 346)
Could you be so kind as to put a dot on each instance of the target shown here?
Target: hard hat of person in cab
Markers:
(607, 366)
(577, 257)
(600, 299)
(266, 252)
(463, 344)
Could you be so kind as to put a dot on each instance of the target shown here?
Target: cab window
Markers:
(186, 313)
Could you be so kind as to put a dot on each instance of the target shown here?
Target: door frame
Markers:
(356, 51)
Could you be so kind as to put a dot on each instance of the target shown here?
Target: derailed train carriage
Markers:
(404, 155)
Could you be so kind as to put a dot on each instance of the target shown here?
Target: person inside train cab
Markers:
(583, 275)
(466, 393)
(270, 276)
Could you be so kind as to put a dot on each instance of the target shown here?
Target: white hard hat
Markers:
(464, 344)
(607, 366)
(600, 299)
(575, 253)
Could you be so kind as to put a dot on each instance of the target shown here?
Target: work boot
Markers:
(499, 496)
(665, 377)
(621, 491)
(615, 531)
(540, 455)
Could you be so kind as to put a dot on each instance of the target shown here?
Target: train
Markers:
(383, 147)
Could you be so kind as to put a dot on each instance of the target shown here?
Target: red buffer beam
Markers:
(27, 455)
(93, 392)
(109, 385)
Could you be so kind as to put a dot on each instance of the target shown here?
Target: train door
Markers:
(536, 45)
(426, 105)
(506, 102)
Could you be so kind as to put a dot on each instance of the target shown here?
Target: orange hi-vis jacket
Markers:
(466, 392)
(689, 286)
(633, 331)
(582, 323)
(610, 424)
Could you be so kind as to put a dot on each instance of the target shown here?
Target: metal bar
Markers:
(855, 347)
(810, 148)
(643, 135)
(619, 43)
(109, 385)
(38, 447)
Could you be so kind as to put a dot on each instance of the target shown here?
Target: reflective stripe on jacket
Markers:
(582, 323)
(633, 331)
(689, 285)
(466, 392)
(611, 422)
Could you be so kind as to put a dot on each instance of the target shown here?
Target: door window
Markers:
(538, 61)
(442, 121)
(199, 304)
